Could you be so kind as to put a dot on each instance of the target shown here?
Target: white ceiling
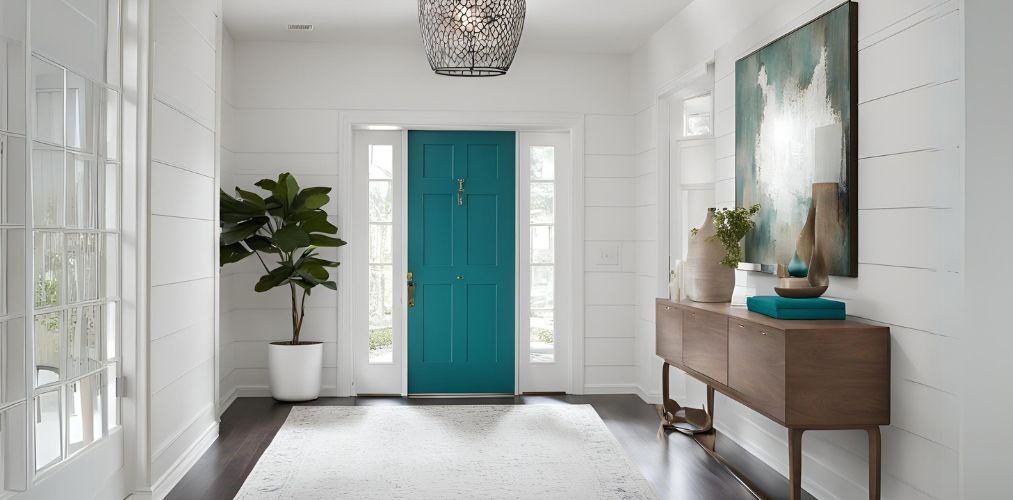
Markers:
(597, 26)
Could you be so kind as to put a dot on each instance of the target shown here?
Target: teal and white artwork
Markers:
(796, 123)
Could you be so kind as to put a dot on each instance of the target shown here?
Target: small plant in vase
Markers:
(286, 228)
(730, 226)
(715, 252)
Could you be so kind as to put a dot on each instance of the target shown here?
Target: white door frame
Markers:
(350, 215)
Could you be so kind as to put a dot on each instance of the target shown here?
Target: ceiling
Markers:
(597, 26)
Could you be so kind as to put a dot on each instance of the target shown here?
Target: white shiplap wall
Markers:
(610, 214)
(910, 234)
(182, 234)
(287, 120)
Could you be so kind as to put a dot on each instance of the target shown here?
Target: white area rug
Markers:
(429, 452)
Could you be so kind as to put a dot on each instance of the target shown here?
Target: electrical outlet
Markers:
(608, 255)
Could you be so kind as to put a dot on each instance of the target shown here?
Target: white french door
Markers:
(543, 244)
(378, 235)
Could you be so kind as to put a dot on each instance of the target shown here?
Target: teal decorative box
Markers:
(785, 308)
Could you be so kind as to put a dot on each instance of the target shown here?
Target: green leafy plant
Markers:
(289, 225)
(731, 225)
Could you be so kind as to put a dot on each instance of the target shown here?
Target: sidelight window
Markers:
(542, 253)
(381, 251)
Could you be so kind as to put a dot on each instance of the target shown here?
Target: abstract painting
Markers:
(796, 123)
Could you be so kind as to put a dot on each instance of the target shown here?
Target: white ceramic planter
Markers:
(295, 370)
(707, 280)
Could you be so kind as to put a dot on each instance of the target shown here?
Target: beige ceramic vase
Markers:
(707, 280)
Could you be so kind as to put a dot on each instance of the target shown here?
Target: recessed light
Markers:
(300, 27)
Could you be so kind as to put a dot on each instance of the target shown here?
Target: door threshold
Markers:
(463, 395)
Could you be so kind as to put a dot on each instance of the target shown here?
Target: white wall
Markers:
(910, 223)
(986, 395)
(182, 236)
(286, 119)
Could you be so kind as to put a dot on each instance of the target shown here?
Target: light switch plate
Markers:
(608, 255)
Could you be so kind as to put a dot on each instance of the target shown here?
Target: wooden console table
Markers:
(802, 374)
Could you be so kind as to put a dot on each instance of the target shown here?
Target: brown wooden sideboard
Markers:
(802, 374)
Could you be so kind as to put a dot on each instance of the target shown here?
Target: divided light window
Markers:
(381, 251)
(542, 253)
(75, 204)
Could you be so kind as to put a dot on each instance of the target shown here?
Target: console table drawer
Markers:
(668, 340)
(705, 344)
(756, 366)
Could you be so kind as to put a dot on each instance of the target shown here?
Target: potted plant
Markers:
(715, 252)
(284, 231)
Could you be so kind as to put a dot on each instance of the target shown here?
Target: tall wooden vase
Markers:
(707, 280)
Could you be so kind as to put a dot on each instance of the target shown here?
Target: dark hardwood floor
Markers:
(675, 465)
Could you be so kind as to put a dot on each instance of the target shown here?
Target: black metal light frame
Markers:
(471, 38)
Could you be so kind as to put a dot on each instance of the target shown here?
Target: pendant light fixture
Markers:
(471, 37)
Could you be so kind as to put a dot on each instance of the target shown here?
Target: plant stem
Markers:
(295, 317)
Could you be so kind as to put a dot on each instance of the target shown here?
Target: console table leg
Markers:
(875, 453)
(795, 463)
(685, 420)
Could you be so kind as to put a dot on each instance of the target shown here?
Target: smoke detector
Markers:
(300, 27)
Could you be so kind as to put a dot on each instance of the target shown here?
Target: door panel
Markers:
(461, 254)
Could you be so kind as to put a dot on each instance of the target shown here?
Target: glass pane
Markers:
(47, 348)
(48, 268)
(109, 395)
(84, 412)
(47, 186)
(84, 350)
(381, 319)
(13, 443)
(110, 327)
(543, 163)
(381, 245)
(111, 196)
(113, 44)
(542, 202)
(381, 201)
(15, 269)
(697, 116)
(112, 124)
(381, 161)
(82, 192)
(48, 431)
(110, 256)
(48, 95)
(543, 337)
(13, 348)
(542, 287)
(82, 267)
(542, 244)
(13, 159)
(12, 58)
(80, 115)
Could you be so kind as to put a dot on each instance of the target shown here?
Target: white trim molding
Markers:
(349, 121)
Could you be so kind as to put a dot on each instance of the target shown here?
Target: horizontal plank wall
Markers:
(286, 119)
(911, 240)
(610, 215)
(182, 235)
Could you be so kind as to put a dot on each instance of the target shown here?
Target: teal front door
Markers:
(461, 260)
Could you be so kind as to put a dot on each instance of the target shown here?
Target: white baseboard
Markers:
(168, 481)
(610, 389)
(227, 401)
(648, 397)
(263, 391)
